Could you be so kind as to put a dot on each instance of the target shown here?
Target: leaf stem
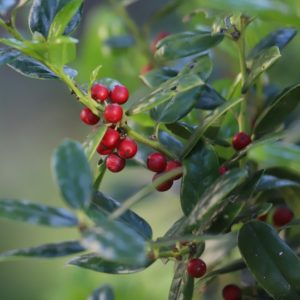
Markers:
(8, 26)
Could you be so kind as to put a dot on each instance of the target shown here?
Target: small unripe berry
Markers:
(196, 268)
(232, 292)
(161, 35)
(99, 92)
(282, 216)
(111, 138)
(156, 162)
(163, 186)
(241, 140)
(113, 113)
(119, 94)
(115, 163)
(223, 169)
(127, 148)
(87, 117)
(173, 164)
(103, 150)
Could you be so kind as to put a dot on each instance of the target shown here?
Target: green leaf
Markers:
(276, 113)
(273, 264)
(170, 142)
(234, 266)
(96, 263)
(43, 13)
(178, 281)
(109, 82)
(186, 43)
(7, 55)
(92, 141)
(279, 38)
(102, 206)
(105, 292)
(73, 174)
(35, 213)
(201, 169)
(94, 76)
(209, 98)
(115, 242)
(261, 63)
(120, 42)
(45, 251)
(276, 154)
(269, 182)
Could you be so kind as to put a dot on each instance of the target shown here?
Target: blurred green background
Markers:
(36, 115)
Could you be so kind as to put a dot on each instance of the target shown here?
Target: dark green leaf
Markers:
(261, 63)
(178, 281)
(279, 38)
(201, 169)
(120, 42)
(186, 43)
(105, 292)
(7, 55)
(45, 251)
(180, 129)
(35, 213)
(73, 174)
(236, 265)
(43, 12)
(269, 182)
(96, 263)
(6, 5)
(209, 98)
(109, 82)
(170, 142)
(273, 264)
(276, 113)
(103, 206)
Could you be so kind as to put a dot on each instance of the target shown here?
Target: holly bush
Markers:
(232, 144)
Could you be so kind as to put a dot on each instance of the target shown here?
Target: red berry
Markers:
(103, 150)
(165, 185)
(173, 164)
(87, 117)
(241, 140)
(196, 267)
(161, 35)
(223, 169)
(99, 92)
(115, 163)
(111, 138)
(156, 162)
(119, 94)
(232, 292)
(282, 216)
(113, 113)
(127, 148)
(263, 217)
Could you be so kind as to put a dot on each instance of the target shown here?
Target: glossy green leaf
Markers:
(278, 154)
(63, 17)
(201, 169)
(35, 213)
(103, 205)
(94, 76)
(7, 55)
(209, 98)
(170, 142)
(234, 266)
(279, 38)
(185, 44)
(261, 63)
(104, 292)
(275, 114)
(269, 182)
(178, 282)
(273, 264)
(115, 242)
(43, 12)
(109, 82)
(45, 251)
(73, 174)
(92, 141)
(96, 263)
(120, 42)
(181, 129)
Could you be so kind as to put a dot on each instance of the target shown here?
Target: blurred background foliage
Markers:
(36, 115)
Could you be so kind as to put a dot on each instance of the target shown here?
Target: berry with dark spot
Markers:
(241, 140)
(127, 148)
(115, 163)
(99, 92)
(196, 268)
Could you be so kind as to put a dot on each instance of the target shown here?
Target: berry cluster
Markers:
(115, 145)
(158, 163)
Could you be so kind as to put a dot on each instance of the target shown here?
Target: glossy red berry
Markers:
(282, 216)
(196, 268)
(111, 138)
(115, 163)
(119, 94)
(232, 292)
(173, 164)
(156, 162)
(165, 185)
(103, 150)
(87, 117)
(127, 148)
(99, 92)
(223, 169)
(161, 35)
(241, 140)
(113, 113)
